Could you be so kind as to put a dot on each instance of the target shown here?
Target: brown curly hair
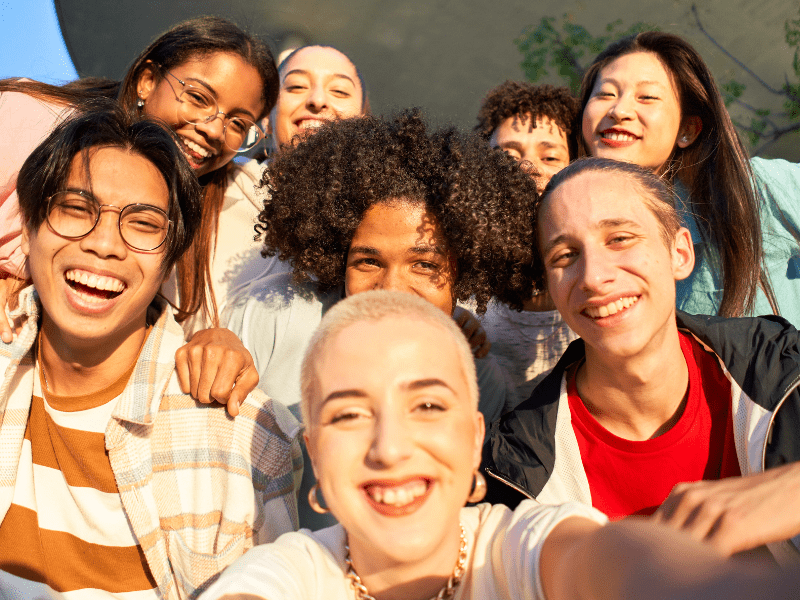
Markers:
(514, 98)
(319, 191)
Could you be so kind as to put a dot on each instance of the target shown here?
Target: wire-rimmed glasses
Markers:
(74, 214)
(198, 105)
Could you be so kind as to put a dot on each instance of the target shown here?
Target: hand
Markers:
(216, 367)
(473, 331)
(737, 513)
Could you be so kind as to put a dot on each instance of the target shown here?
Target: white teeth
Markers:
(611, 308)
(398, 496)
(196, 148)
(92, 280)
(311, 124)
(616, 136)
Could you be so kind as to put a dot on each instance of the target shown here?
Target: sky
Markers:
(31, 44)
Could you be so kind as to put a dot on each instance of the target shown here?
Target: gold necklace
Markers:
(446, 592)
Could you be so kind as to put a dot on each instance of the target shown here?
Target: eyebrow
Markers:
(354, 393)
(413, 250)
(211, 89)
(425, 383)
(549, 144)
(307, 74)
(604, 224)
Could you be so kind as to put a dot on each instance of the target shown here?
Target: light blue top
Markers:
(778, 183)
(275, 320)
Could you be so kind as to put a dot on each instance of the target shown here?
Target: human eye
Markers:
(620, 239)
(239, 126)
(426, 265)
(74, 206)
(144, 220)
(562, 258)
(197, 97)
(348, 415)
(515, 154)
(428, 406)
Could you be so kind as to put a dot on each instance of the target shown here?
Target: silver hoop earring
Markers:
(478, 492)
(313, 502)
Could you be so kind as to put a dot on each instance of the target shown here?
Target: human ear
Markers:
(25, 241)
(480, 432)
(682, 254)
(310, 450)
(690, 129)
(147, 81)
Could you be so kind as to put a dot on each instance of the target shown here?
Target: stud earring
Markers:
(685, 139)
(140, 103)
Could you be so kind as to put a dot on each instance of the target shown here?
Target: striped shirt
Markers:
(197, 487)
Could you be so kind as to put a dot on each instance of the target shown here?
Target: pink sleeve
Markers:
(24, 123)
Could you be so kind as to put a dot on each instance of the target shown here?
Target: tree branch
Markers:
(732, 57)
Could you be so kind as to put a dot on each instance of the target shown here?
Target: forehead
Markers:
(394, 220)
(236, 83)
(118, 176)
(519, 128)
(592, 202)
(637, 68)
(321, 61)
(375, 356)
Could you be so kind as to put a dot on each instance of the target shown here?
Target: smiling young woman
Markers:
(651, 100)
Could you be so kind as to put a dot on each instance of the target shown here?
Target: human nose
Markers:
(597, 271)
(213, 128)
(622, 108)
(317, 98)
(104, 239)
(392, 280)
(392, 441)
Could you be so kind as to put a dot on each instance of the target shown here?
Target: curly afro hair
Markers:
(483, 201)
(514, 98)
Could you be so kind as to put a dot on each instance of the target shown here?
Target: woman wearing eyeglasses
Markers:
(211, 84)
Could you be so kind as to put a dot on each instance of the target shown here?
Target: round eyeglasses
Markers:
(74, 214)
(198, 105)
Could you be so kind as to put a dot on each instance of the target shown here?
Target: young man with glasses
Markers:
(115, 482)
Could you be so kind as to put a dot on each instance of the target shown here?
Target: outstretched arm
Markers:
(641, 559)
(738, 513)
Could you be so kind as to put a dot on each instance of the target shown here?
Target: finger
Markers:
(182, 368)
(206, 373)
(226, 376)
(460, 316)
(245, 384)
(482, 350)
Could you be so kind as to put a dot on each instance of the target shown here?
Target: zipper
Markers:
(768, 437)
(510, 484)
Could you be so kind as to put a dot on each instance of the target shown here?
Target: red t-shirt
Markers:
(634, 477)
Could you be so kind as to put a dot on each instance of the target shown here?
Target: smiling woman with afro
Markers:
(370, 203)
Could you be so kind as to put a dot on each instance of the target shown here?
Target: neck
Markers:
(640, 397)
(540, 303)
(388, 579)
(75, 368)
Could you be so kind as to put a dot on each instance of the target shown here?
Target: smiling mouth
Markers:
(306, 124)
(612, 308)
(196, 154)
(396, 499)
(618, 136)
(92, 287)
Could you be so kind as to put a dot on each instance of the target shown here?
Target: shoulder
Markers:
(244, 182)
(297, 565)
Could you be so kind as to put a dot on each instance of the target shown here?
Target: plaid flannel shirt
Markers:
(198, 487)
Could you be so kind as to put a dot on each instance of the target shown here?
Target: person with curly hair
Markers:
(535, 124)
(369, 203)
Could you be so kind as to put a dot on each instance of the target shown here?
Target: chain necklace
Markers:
(446, 592)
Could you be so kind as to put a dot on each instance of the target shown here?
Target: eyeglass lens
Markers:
(198, 106)
(75, 215)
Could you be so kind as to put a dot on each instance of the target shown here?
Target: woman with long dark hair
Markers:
(650, 99)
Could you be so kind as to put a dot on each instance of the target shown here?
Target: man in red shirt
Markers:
(654, 412)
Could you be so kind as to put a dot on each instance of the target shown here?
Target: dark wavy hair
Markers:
(46, 170)
(520, 98)
(715, 168)
(319, 191)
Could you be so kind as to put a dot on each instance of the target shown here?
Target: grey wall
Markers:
(441, 55)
